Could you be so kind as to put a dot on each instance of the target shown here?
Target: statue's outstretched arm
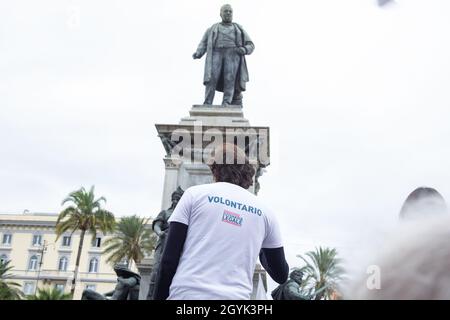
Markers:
(201, 49)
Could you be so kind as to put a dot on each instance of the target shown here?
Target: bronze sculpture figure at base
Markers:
(160, 227)
(291, 289)
(127, 287)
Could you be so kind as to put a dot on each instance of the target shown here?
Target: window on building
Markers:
(37, 240)
(93, 265)
(62, 266)
(59, 287)
(7, 239)
(90, 287)
(97, 242)
(32, 266)
(3, 258)
(28, 288)
(66, 241)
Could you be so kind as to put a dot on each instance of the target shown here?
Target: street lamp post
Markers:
(41, 261)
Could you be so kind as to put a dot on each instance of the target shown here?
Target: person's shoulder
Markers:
(256, 201)
(200, 188)
(266, 210)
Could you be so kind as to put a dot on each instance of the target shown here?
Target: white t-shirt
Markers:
(227, 227)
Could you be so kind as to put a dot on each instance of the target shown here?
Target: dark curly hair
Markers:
(236, 169)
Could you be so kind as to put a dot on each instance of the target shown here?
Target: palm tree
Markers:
(50, 294)
(322, 271)
(84, 214)
(131, 241)
(9, 290)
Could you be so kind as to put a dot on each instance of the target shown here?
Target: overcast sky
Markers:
(356, 97)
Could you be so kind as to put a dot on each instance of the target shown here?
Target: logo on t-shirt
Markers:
(232, 218)
(235, 205)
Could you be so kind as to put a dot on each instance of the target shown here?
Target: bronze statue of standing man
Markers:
(225, 43)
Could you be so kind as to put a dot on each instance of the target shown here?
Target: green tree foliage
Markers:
(85, 214)
(50, 294)
(321, 271)
(131, 241)
(9, 290)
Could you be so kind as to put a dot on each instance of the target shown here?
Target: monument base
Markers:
(229, 122)
(145, 270)
(216, 115)
(205, 125)
(146, 265)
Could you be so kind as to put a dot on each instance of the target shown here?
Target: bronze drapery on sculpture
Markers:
(160, 227)
(127, 287)
(225, 43)
(291, 289)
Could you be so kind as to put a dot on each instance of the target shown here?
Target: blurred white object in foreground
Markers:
(415, 264)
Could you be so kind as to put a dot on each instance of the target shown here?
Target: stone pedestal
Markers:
(259, 272)
(144, 269)
(204, 125)
(216, 115)
(188, 143)
(146, 266)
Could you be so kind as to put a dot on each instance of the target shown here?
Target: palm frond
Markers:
(84, 213)
(322, 270)
(50, 294)
(9, 290)
(131, 241)
(70, 224)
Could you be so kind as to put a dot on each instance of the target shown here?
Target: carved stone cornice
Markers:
(171, 163)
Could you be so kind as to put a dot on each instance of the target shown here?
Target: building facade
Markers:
(29, 241)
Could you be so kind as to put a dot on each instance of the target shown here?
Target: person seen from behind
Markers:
(216, 234)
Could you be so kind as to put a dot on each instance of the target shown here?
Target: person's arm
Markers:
(274, 261)
(170, 259)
